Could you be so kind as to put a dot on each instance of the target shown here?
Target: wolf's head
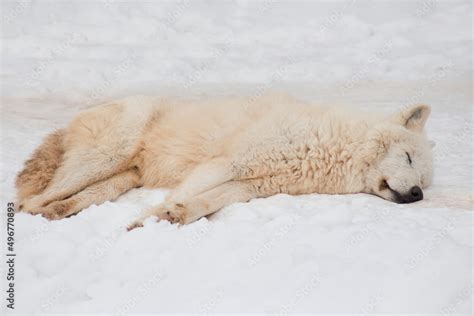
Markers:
(399, 157)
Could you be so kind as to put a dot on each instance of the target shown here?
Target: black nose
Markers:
(415, 194)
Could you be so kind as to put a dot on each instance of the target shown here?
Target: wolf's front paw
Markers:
(135, 224)
(175, 213)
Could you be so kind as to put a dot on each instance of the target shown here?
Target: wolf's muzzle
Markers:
(415, 194)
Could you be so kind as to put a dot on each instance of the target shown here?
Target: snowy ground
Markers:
(314, 253)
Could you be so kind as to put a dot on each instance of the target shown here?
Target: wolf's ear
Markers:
(413, 117)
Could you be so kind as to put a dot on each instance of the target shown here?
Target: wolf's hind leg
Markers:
(99, 143)
(202, 204)
(96, 193)
(78, 170)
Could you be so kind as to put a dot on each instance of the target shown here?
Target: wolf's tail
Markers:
(40, 168)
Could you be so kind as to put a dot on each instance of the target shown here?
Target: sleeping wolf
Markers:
(214, 153)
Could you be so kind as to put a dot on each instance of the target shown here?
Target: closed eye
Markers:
(409, 158)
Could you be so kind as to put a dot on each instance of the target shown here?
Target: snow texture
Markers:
(284, 254)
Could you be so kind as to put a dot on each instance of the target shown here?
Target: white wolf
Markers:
(215, 153)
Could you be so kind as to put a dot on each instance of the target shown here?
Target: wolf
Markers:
(212, 153)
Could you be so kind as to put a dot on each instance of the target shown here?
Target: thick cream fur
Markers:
(213, 153)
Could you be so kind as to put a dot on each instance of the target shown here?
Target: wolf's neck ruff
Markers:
(307, 164)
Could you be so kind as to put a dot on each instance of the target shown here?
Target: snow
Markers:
(283, 254)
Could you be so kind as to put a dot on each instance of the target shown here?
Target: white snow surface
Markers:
(283, 254)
